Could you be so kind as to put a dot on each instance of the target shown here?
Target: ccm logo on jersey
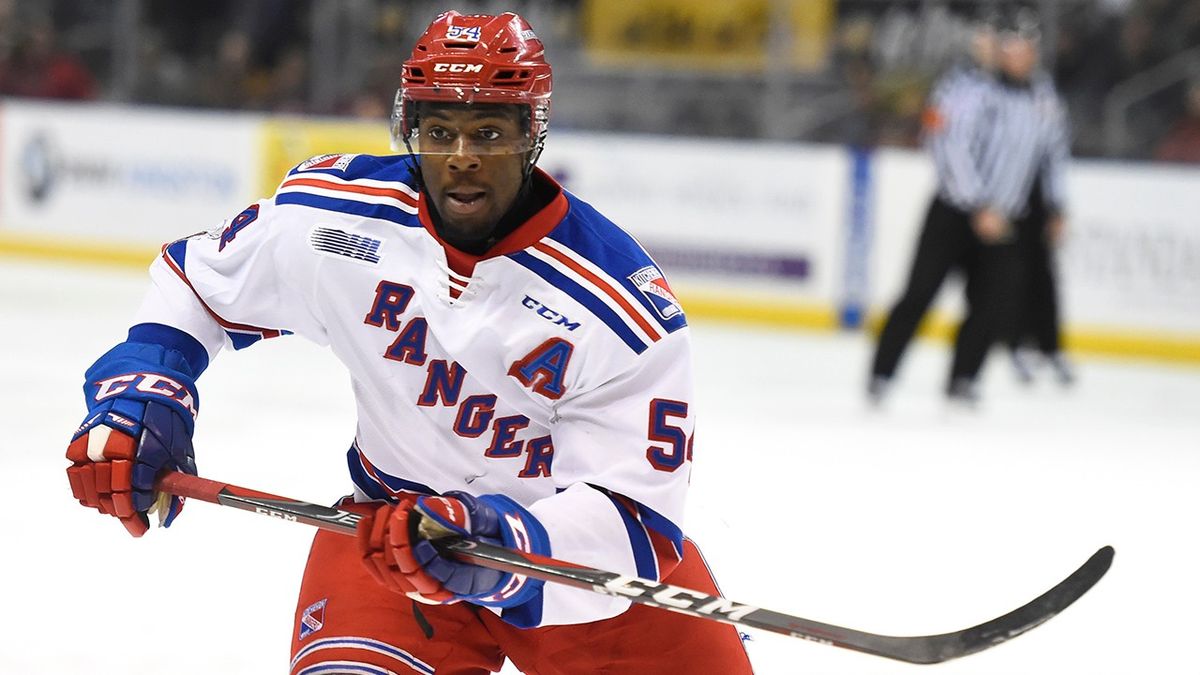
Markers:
(549, 314)
(147, 383)
(458, 67)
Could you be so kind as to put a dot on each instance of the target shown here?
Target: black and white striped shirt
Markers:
(990, 140)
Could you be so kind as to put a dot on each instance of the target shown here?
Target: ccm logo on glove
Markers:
(147, 383)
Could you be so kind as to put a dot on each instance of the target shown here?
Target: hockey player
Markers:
(520, 366)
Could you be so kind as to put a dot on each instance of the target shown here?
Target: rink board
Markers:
(781, 234)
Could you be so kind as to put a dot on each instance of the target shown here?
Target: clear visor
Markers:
(457, 121)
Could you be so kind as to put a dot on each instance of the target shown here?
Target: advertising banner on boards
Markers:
(732, 35)
(728, 217)
(99, 172)
(781, 233)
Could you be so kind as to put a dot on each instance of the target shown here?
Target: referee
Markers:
(1036, 338)
(993, 135)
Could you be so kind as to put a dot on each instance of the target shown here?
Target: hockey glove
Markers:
(142, 402)
(397, 552)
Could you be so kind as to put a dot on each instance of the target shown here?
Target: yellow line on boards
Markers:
(1154, 345)
(80, 252)
(789, 315)
(781, 314)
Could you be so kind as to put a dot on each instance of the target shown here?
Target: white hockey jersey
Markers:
(555, 370)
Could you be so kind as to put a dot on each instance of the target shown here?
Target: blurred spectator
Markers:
(256, 55)
(36, 68)
(287, 83)
(8, 24)
(229, 80)
(1182, 142)
(165, 75)
(374, 99)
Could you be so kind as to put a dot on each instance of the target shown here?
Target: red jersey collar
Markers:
(527, 234)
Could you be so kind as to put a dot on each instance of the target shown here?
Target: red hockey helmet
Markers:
(476, 58)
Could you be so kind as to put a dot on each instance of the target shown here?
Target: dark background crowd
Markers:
(1128, 69)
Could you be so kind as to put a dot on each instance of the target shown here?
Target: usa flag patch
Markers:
(654, 286)
(313, 618)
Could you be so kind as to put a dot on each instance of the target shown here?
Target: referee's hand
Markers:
(990, 226)
(1056, 229)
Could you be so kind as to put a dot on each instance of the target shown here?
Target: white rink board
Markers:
(1131, 259)
(739, 197)
(1134, 254)
(122, 174)
(138, 177)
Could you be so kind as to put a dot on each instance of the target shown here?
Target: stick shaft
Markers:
(914, 649)
(216, 492)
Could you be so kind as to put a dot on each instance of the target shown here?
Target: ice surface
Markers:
(914, 519)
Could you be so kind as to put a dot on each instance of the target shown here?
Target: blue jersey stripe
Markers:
(366, 644)
(380, 211)
(583, 296)
(663, 525)
(595, 238)
(177, 252)
(374, 488)
(344, 668)
(639, 541)
(242, 340)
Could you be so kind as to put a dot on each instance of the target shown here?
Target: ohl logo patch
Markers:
(313, 618)
(654, 286)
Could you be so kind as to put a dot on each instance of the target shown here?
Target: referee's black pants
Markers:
(992, 271)
(1037, 318)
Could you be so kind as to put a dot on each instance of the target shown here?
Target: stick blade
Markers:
(939, 648)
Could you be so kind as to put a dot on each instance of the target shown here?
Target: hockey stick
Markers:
(916, 649)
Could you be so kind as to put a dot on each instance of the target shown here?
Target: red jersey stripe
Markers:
(602, 285)
(228, 325)
(347, 187)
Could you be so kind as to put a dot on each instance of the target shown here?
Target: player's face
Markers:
(471, 185)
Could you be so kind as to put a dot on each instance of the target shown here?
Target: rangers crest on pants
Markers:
(313, 618)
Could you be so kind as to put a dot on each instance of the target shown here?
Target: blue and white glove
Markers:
(399, 555)
(142, 403)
